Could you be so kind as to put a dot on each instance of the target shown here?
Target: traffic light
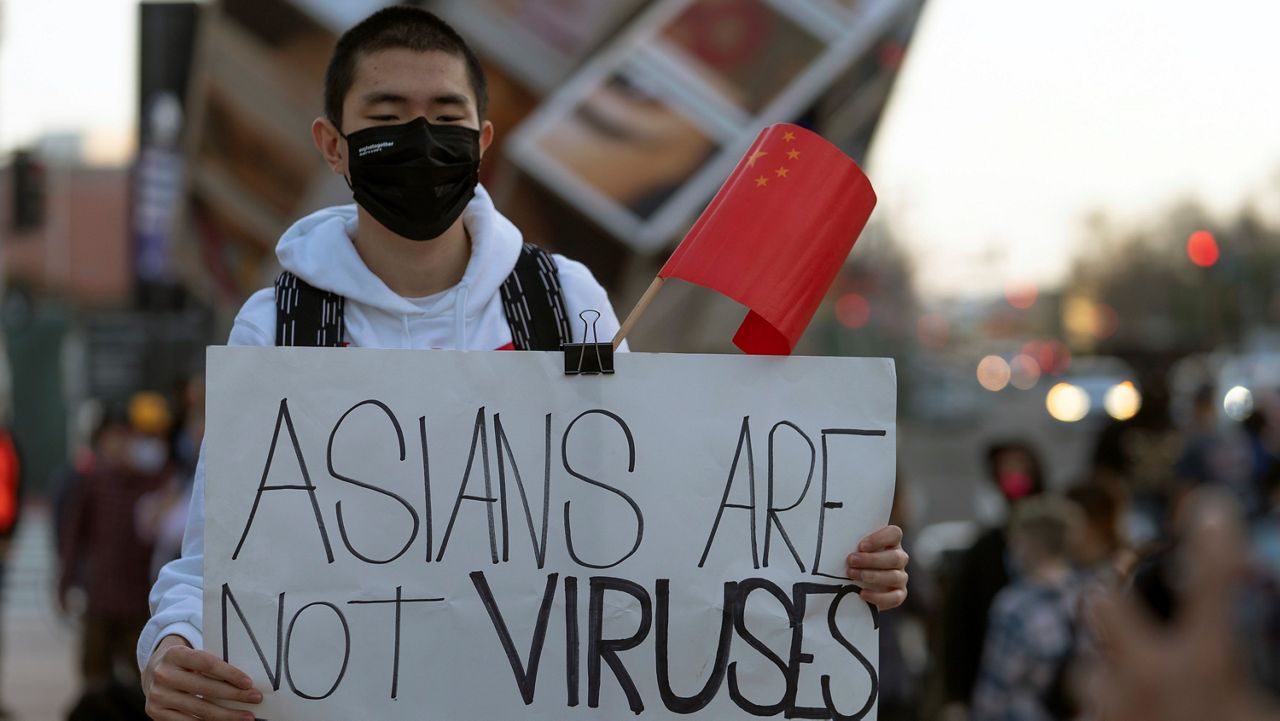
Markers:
(28, 191)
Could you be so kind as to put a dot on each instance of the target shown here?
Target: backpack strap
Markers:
(306, 315)
(534, 302)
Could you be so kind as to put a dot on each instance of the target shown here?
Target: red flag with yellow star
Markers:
(776, 234)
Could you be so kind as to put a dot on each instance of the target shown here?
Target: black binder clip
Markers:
(588, 359)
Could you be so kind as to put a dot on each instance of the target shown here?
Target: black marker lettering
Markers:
(342, 526)
(501, 443)
(273, 672)
(866, 665)
(826, 503)
(571, 647)
(283, 417)
(399, 600)
(745, 588)
(426, 482)
(800, 594)
(744, 439)
(771, 518)
(526, 680)
(631, 467)
(599, 648)
(480, 437)
(346, 652)
(698, 701)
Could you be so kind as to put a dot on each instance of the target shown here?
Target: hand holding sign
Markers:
(505, 541)
(181, 682)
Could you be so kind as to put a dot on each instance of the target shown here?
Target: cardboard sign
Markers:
(400, 534)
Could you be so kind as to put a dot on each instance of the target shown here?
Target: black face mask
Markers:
(415, 178)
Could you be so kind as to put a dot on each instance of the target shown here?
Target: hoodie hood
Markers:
(320, 249)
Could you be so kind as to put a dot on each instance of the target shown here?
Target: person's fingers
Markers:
(210, 688)
(1123, 630)
(879, 580)
(209, 665)
(887, 537)
(1216, 559)
(185, 703)
(884, 600)
(895, 558)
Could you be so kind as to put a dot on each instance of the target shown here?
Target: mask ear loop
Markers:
(345, 177)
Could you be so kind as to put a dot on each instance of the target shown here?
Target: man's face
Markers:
(392, 87)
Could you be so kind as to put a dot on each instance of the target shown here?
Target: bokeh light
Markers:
(1051, 355)
(993, 373)
(853, 310)
(1025, 371)
(1238, 403)
(1202, 248)
(1067, 403)
(1122, 401)
(1021, 294)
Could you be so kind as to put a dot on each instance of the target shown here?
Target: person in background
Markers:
(1031, 635)
(162, 515)
(1193, 665)
(903, 645)
(983, 571)
(98, 536)
(10, 505)
(1102, 555)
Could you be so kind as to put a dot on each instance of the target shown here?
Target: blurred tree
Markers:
(1165, 294)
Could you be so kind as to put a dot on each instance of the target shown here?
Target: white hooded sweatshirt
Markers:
(469, 316)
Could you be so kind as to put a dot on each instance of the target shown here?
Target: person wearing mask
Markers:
(100, 543)
(984, 569)
(422, 260)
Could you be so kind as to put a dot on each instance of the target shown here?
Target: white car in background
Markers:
(1093, 387)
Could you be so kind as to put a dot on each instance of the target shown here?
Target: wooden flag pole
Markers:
(637, 311)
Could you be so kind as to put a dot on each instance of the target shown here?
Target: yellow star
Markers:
(793, 154)
(782, 172)
(761, 181)
(754, 157)
(788, 136)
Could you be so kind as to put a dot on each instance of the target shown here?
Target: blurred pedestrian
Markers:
(10, 505)
(99, 536)
(904, 653)
(162, 514)
(1032, 634)
(1014, 468)
(1102, 554)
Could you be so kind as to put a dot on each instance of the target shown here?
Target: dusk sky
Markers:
(1011, 121)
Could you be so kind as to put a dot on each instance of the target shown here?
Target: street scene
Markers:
(913, 360)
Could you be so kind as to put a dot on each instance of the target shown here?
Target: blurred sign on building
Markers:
(641, 136)
(539, 42)
(256, 85)
(166, 36)
(28, 187)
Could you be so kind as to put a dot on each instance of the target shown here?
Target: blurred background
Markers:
(1075, 258)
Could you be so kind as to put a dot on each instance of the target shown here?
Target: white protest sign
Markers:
(397, 534)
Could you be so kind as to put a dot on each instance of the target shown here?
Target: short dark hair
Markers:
(398, 26)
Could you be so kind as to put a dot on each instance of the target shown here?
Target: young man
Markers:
(419, 262)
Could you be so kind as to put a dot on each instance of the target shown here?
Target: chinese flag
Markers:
(776, 234)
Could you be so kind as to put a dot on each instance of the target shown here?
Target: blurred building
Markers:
(710, 73)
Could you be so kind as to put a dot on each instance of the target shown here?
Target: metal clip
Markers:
(590, 358)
